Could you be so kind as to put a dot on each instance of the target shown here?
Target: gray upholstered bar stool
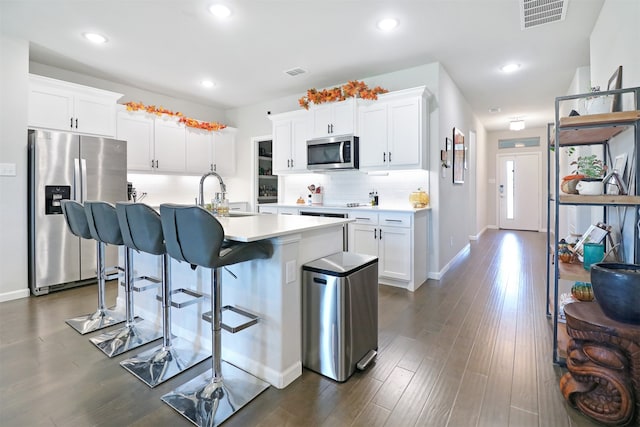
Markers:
(194, 235)
(74, 215)
(142, 231)
(104, 227)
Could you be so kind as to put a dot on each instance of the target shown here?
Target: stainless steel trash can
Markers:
(339, 314)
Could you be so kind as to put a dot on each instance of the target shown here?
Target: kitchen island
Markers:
(269, 288)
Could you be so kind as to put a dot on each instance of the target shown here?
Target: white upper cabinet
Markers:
(290, 134)
(59, 105)
(137, 129)
(224, 151)
(211, 151)
(199, 148)
(393, 131)
(336, 118)
(163, 145)
(169, 146)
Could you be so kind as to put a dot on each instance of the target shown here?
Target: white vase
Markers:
(590, 188)
(599, 104)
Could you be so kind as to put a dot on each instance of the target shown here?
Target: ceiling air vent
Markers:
(295, 71)
(538, 12)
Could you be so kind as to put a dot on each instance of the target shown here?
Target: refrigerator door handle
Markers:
(76, 179)
(84, 179)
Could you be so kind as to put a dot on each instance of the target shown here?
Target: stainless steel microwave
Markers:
(333, 153)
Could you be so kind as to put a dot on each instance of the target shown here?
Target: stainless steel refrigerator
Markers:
(68, 166)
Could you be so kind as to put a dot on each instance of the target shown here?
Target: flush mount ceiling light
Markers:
(516, 125)
(387, 24)
(220, 10)
(207, 83)
(95, 38)
(494, 110)
(510, 68)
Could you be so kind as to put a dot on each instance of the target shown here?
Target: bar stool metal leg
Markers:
(136, 331)
(175, 355)
(104, 316)
(211, 398)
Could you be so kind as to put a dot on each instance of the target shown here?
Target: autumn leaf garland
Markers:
(351, 89)
(189, 122)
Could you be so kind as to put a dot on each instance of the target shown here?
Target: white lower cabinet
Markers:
(278, 210)
(398, 240)
(387, 236)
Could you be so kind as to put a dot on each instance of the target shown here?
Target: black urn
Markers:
(616, 287)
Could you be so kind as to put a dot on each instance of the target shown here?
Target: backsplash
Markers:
(340, 188)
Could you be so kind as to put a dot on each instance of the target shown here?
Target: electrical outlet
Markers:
(7, 169)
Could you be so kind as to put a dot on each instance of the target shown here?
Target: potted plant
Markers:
(592, 169)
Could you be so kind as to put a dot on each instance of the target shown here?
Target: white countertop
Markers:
(260, 227)
(382, 208)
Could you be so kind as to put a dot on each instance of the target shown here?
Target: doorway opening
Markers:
(265, 182)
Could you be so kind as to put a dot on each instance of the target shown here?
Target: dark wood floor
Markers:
(473, 349)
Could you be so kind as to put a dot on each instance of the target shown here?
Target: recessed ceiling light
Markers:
(509, 68)
(387, 24)
(207, 83)
(95, 38)
(220, 10)
(494, 109)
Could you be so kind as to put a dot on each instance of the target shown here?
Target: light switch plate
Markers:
(7, 169)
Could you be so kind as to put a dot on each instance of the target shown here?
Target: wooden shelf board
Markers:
(572, 134)
(599, 119)
(605, 199)
(574, 272)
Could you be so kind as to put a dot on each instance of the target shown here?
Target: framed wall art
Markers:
(458, 156)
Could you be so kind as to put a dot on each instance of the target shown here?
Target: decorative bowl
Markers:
(616, 287)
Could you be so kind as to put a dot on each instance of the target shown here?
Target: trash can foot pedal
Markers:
(364, 362)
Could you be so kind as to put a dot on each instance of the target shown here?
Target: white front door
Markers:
(519, 195)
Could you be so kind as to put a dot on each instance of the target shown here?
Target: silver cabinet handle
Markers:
(156, 164)
(361, 217)
(375, 233)
(393, 220)
(291, 162)
(152, 163)
(76, 123)
(71, 122)
(389, 156)
(384, 157)
(328, 128)
(381, 234)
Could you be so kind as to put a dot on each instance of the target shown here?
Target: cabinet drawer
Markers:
(395, 220)
(364, 217)
(288, 211)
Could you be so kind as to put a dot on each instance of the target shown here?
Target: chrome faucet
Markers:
(223, 188)
(622, 188)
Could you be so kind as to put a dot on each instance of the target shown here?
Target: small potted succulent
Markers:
(592, 169)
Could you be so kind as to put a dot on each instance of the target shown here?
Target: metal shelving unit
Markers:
(595, 129)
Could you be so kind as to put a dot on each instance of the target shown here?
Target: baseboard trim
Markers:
(438, 275)
(10, 296)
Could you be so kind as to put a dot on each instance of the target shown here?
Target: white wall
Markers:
(614, 41)
(455, 219)
(14, 65)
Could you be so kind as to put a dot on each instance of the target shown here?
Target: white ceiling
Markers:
(169, 46)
